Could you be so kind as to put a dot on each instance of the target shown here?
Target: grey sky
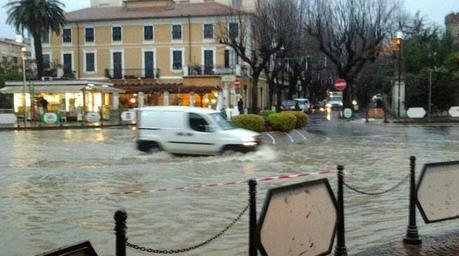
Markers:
(434, 10)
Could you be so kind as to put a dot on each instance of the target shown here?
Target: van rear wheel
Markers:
(148, 146)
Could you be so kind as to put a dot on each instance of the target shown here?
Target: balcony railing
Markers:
(199, 70)
(132, 73)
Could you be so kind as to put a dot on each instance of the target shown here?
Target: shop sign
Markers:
(454, 111)
(229, 79)
(50, 118)
(347, 113)
(298, 219)
(437, 191)
(8, 118)
(128, 116)
(92, 117)
(416, 112)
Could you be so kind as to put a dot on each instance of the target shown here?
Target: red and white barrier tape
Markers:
(194, 187)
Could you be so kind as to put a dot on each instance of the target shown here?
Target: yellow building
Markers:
(158, 51)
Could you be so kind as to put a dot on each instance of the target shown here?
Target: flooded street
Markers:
(55, 186)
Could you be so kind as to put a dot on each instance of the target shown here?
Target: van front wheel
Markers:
(148, 146)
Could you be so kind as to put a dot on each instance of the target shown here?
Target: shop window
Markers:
(197, 122)
(89, 35)
(67, 35)
(177, 60)
(46, 61)
(116, 34)
(233, 30)
(148, 33)
(90, 62)
(208, 31)
(176, 32)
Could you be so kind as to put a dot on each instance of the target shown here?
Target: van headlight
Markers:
(328, 105)
(250, 142)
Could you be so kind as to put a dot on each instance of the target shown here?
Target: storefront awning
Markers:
(58, 87)
(172, 88)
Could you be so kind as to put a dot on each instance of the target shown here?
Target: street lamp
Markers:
(399, 40)
(20, 40)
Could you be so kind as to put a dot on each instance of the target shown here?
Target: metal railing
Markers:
(132, 73)
(199, 70)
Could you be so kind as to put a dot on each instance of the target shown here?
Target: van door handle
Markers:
(180, 134)
(189, 134)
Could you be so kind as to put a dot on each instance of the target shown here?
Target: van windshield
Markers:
(221, 121)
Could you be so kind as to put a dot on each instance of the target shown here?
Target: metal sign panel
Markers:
(416, 112)
(228, 78)
(454, 111)
(50, 118)
(347, 113)
(92, 117)
(8, 118)
(438, 191)
(298, 219)
(128, 116)
(79, 249)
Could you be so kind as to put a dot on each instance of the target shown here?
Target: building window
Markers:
(176, 32)
(233, 30)
(15, 60)
(89, 35)
(90, 60)
(46, 61)
(67, 35)
(231, 59)
(148, 33)
(208, 31)
(177, 61)
(149, 64)
(116, 34)
(45, 37)
(67, 64)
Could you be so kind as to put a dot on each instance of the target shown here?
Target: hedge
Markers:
(301, 118)
(283, 121)
(266, 113)
(249, 122)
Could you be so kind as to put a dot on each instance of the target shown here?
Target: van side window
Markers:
(197, 122)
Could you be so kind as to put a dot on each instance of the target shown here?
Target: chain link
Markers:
(182, 250)
(360, 191)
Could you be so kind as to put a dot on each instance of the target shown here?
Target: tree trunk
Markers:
(255, 76)
(271, 93)
(38, 54)
(279, 96)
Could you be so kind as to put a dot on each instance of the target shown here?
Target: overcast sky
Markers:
(434, 10)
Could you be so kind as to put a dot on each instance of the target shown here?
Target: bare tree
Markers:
(256, 37)
(350, 32)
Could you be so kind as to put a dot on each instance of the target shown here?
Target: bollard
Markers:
(340, 249)
(412, 236)
(120, 232)
(253, 240)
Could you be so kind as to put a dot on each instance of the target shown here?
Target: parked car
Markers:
(288, 105)
(190, 130)
(304, 104)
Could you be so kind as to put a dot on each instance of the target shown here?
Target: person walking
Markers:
(240, 106)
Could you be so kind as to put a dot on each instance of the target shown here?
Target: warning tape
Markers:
(210, 185)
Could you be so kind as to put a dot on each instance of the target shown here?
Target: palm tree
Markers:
(37, 17)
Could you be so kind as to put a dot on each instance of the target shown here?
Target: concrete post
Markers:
(166, 98)
(192, 99)
(141, 99)
(115, 101)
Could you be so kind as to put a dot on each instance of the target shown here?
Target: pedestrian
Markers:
(44, 104)
(240, 106)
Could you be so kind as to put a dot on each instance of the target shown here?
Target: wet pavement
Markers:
(55, 185)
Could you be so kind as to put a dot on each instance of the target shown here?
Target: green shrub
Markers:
(283, 121)
(249, 122)
(266, 113)
(301, 118)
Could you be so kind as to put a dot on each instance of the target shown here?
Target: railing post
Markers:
(412, 236)
(340, 249)
(120, 232)
(253, 240)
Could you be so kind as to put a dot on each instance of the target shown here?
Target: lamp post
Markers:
(399, 39)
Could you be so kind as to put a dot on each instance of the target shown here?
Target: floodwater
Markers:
(55, 186)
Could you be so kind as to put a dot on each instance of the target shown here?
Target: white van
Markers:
(190, 130)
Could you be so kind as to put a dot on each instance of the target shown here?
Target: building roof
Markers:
(207, 9)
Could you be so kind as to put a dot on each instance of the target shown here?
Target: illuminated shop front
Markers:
(69, 98)
(176, 94)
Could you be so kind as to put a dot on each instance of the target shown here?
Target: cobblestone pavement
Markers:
(439, 245)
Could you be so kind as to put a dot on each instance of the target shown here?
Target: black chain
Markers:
(182, 250)
(360, 191)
